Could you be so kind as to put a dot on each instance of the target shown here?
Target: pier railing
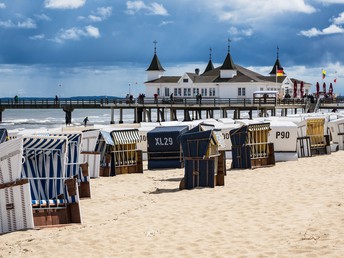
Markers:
(178, 101)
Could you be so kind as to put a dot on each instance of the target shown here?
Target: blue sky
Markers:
(99, 47)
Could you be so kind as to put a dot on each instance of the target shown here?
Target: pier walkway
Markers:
(191, 107)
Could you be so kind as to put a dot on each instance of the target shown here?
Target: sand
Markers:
(293, 209)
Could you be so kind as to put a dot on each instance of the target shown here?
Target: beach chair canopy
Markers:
(105, 136)
(205, 127)
(165, 138)
(44, 165)
(198, 144)
(11, 160)
(3, 135)
(127, 136)
(89, 140)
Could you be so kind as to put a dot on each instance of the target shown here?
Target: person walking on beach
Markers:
(16, 98)
(171, 97)
(56, 99)
(85, 121)
(155, 98)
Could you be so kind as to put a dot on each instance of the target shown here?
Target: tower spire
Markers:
(210, 53)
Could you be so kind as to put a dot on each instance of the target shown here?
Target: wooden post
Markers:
(121, 115)
(112, 116)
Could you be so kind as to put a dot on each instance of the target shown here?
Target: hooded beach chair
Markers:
(15, 197)
(312, 137)
(163, 147)
(88, 153)
(126, 158)
(55, 196)
(200, 153)
(250, 146)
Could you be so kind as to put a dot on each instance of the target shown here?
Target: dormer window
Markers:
(185, 80)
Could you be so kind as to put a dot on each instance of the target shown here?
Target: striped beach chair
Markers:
(15, 196)
(55, 197)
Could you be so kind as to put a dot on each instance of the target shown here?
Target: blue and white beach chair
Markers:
(55, 196)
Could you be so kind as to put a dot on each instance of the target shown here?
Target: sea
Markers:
(21, 119)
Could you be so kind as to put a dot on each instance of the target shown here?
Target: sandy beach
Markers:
(293, 209)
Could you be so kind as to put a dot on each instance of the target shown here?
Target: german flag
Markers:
(280, 72)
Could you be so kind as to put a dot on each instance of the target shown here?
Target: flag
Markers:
(335, 79)
(280, 72)
(323, 74)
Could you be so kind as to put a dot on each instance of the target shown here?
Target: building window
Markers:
(212, 92)
(185, 80)
(187, 92)
(241, 92)
(204, 92)
(195, 91)
(177, 92)
(167, 92)
(158, 91)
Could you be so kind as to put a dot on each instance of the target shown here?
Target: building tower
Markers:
(155, 70)
(277, 69)
(227, 69)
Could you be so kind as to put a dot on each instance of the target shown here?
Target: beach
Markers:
(292, 209)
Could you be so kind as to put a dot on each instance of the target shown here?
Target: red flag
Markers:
(335, 80)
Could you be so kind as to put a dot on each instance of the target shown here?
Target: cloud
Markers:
(2, 6)
(101, 14)
(247, 11)
(154, 8)
(92, 31)
(25, 24)
(326, 2)
(339, 19)
(37, 37)
(164, 23)
(63, 4)
(237, 34)
(313, 32)
(76, 33)
(42, 17)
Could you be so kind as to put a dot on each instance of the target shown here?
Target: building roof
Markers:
(209, 67)
(278, 65)
(155, 64)
(228, 63)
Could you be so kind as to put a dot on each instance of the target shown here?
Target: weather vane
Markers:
(229, 45)
(155, 42)
(277, 51)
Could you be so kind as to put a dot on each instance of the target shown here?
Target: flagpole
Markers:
(276, 76)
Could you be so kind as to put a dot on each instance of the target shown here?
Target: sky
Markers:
(103, 47)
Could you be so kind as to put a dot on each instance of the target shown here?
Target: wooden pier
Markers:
(190, 107)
